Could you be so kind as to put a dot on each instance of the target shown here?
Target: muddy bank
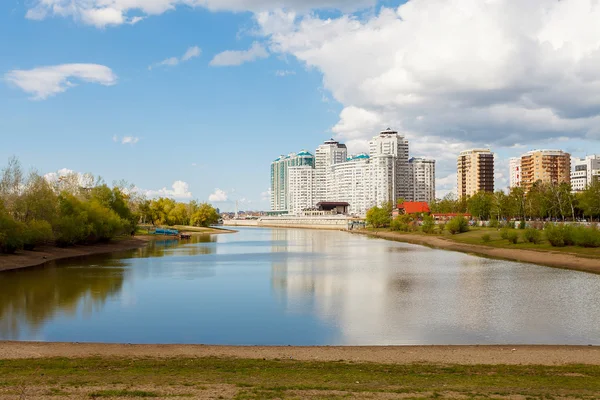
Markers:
(541, 257)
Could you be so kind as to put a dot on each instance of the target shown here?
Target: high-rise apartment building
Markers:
(422, 173)
(280, 199)
(300, 188)
(327, 155)
(515, 172)
(353, 184)
(546, 166)
(389, 159)
(475, 172)
(585, 171)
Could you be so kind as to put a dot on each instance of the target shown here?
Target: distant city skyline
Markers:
(191, 99)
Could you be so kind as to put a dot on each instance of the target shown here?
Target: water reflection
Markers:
(298, 287)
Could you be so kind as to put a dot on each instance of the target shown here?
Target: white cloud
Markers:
(218, 196)
(282, 73)
(126, 139)
(179, 190)
(234, 58)
(266, 195)
(44, 82)
(454, 74)
(191, 52)
(103, 13)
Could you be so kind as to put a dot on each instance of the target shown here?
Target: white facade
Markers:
(300, 187)
(584, 171)
(327, 155)
(280, 192)
(389, 158)
(352, 184)
(422, 173)
(515, 172)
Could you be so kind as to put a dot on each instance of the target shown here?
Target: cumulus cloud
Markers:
(103, 13)
(191, 52)
(126, 139)
(179, 190)
(234, 57)
(455, 72)
(218, 196)
(44, 82)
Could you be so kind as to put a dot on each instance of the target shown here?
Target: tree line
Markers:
(80, 209)
(543, 201)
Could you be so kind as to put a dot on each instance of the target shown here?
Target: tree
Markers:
(480, 205)
(379, 217)
(590, 200)
(205, 216)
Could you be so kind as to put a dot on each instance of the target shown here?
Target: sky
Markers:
(193, 99)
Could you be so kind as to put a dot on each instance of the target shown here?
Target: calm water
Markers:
(298, 287)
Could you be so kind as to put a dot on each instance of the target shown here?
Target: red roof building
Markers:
(414, 207)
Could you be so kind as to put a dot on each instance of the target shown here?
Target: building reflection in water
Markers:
(382, 292)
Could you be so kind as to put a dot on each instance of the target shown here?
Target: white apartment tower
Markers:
(280, 192)
(300, 187)
(515, 172)
(389, 159)
(422, 173)
(327, 155)
(352, 184)
(584, 172)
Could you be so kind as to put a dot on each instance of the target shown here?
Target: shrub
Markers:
(402, 223)
(458, 225)
(522, 225)
(494, 223)
(486, 238)
(512, 237)
(37, 233)
(441, 227)
(586, 237)
(11, 234)
(560, 235)
(504, 233)
(532, 235)
(428, 224)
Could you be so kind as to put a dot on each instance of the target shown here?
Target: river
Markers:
(298, 287)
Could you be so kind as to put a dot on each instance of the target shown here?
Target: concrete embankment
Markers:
(330, 223)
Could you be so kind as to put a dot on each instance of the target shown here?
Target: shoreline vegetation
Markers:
(69, 370)
(587, 261)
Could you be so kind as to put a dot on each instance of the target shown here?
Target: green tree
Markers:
(480, 205)
(590, 200)
(379, 217)
(205, 215)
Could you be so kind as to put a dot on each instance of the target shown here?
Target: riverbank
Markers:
(27, 259)
(556, 259)
(48, 370)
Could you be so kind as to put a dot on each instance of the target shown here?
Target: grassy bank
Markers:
(219, 378)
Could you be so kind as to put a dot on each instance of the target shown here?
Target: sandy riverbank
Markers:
(26, 259)
(547, 258)
(463, 355)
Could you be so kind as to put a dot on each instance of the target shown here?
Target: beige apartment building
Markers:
(547, 166)
(475, 172)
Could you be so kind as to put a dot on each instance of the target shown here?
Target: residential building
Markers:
(475, 172)
(280, 180)
(585, 171)
(389, 159)
(546, 166)
(515, 172)
(327, 155)
(422, 175)
(352, 184)
(300, 188)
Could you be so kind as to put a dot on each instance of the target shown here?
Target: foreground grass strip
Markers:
(299, 379)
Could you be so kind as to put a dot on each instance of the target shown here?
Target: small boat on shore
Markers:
(185, 236)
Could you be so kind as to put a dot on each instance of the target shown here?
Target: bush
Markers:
(512, 237)
(441, 227)
(37, 233)
(559, 235)
(458, 225)
(494, 223)
(71, 230)
(11, 234)
(586, 237)
(522, 225)
(428, 224)
(486, 238)
(402, 223)
(532, 235)
(504, 233)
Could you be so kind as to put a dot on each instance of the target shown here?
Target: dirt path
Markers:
(467, 355)
(26, 259)
(547, 258)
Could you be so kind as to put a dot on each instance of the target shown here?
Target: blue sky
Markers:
(348, 71)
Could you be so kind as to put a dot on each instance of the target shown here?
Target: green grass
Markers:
(272, 379)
